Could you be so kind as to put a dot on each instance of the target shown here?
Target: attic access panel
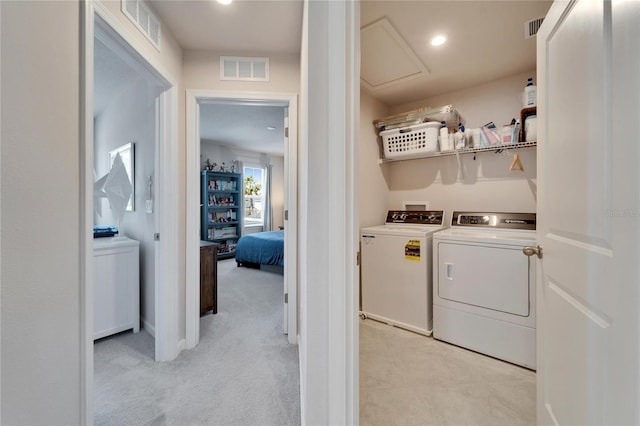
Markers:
(386, 58)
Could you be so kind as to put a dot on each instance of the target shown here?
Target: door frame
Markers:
(194, 98)
(95, 18)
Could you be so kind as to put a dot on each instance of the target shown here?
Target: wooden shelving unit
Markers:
(221, 210)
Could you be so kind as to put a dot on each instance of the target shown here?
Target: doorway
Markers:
(104, 34)
(195, 99)
(125, 122)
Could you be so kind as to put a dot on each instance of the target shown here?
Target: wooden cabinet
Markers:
(221, 212)
(208, 277)
(116, 286)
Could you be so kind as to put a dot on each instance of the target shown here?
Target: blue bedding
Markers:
(265, 248)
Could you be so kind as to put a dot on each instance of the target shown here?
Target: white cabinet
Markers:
(116, 286)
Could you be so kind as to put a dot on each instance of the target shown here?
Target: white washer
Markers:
(484, 285)
(396, 271)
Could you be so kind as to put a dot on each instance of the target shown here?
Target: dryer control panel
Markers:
(525, 221)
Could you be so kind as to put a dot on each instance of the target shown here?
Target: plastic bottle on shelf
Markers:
(460, 139)
(529, 95)
(444, 138)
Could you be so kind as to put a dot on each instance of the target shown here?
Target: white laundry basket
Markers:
(410, 142)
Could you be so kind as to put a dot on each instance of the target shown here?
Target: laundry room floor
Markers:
(409, 379)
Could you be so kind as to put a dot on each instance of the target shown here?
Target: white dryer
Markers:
(484, 285)
(396, 272)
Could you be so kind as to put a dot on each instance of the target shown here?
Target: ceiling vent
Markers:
(531, 27)
(142, 17)
(244, 69)
(387, 58)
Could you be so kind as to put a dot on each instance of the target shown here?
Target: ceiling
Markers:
(485, 42)
(244, 126)
(243, 27)
(111, 77)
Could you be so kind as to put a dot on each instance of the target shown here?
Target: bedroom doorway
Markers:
(197, 101)
(131, 104)
(156, 91)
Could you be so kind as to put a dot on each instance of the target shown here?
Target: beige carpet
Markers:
(243, 372)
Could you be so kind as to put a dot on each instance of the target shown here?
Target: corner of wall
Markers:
(374, 177)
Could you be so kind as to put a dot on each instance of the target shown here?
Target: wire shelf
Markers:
(492, 148)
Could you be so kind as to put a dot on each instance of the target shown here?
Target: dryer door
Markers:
(489, 277)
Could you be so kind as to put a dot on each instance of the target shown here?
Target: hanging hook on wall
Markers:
(516, 164)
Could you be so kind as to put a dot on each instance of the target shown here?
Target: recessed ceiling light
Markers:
(225, 2)
(271, 128)
(438, 40)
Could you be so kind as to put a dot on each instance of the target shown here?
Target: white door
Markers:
(589, 213)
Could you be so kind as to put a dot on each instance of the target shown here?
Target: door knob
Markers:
(530, 251)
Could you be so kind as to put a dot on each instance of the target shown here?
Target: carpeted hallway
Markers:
(243, 372)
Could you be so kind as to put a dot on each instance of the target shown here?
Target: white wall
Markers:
(486, 183)
(40, 309)
(374, 177)
(201, 70)
(219, 153)
(498, 101)
(131, 117)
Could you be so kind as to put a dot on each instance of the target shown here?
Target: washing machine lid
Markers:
(403, 230)
(410, 223)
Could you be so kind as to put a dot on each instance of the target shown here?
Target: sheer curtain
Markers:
(268, 213)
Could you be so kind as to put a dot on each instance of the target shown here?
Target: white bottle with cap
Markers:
(445, 143)
(529, 95)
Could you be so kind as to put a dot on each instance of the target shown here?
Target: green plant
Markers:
(251, 187)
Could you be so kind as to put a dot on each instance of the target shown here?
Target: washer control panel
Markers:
(495, 220)
(416, 217)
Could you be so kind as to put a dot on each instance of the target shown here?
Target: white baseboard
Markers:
(148, 327)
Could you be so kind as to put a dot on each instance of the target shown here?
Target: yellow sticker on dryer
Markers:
(412, 250)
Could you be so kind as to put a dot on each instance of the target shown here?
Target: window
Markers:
(253, 196)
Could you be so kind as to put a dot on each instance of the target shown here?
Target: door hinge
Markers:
(358, 259)
(286, 215)
(156, 236)
(286, 132)
(286, 298)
